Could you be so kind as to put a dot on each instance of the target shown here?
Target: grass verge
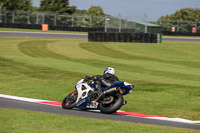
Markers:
(20, 121)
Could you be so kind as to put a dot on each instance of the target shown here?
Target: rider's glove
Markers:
(88, 78)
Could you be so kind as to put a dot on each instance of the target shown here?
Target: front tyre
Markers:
(70, 100)
(113, 106)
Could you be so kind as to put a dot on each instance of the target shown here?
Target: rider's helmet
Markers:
(109, 70)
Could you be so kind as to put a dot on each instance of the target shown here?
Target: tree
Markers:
(95, 11)
(56, 6)
(184, 14)
(18, 5)
(187, 17)
(97, 16)
(81, 12)
(15, 5)
(35, 8)
(93, 17)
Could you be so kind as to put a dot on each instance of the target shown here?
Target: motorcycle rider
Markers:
(106, 80)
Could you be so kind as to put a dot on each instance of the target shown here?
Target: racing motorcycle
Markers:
(86, 96)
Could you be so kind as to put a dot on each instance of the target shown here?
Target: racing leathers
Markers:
(105, 80)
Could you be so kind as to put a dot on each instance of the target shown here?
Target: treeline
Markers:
(67, 15)
(96, 13)
(183, 20)
(50, 6)
(59, 12)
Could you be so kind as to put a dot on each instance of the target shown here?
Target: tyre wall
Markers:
(123, 37)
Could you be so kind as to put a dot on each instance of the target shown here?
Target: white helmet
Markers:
(109, 70)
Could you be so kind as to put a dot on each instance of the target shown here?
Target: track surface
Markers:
(187, 39)
(16, 104)
(42, 35)
(75, 36)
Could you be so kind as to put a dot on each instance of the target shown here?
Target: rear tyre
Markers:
(113, 106)
(70, 100)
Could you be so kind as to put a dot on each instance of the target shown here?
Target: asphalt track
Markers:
(17, 104)
(75, 36)
(183, 39)
(42, 35)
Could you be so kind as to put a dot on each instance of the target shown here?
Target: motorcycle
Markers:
(86, 96)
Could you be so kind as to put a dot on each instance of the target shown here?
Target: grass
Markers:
(20, 121)
(166, 76)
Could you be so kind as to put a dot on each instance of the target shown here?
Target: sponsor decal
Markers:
(80, 102)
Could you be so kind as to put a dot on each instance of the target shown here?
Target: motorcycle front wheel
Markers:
(113, 106)
(70, 100)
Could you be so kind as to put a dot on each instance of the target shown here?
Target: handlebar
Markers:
(94, 78)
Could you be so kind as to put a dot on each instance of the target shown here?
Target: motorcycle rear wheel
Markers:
(70, 100)
(114, 106)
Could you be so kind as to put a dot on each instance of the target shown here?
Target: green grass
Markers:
(166, 76)
(20, 121)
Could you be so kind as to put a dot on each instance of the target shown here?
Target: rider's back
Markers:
(108, 79)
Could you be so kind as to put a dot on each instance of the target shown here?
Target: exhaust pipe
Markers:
(110, 90)
(106, 92)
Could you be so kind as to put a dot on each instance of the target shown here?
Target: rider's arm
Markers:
(104, 82)
(88, 78)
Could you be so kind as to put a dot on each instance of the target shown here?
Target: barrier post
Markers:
(45, 27)
(173, 29)
(159, 38)
(193, 30)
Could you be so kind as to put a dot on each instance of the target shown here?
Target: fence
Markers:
(180, 26)
(92, 23)
(61, 28)
(64, 20)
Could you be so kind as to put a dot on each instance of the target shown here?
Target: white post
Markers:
(55, 20)
(120, 24)
(158, 38)
(73, 21)
(0, 15)
(146, 29)
(13, 17)
(90, 22)
(43, 19)
(28, 19)
(105, 24)
(178, 26)
(126, 23)
(37, 19)
(196, 25)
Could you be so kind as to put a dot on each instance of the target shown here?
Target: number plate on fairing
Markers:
(94, 104)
